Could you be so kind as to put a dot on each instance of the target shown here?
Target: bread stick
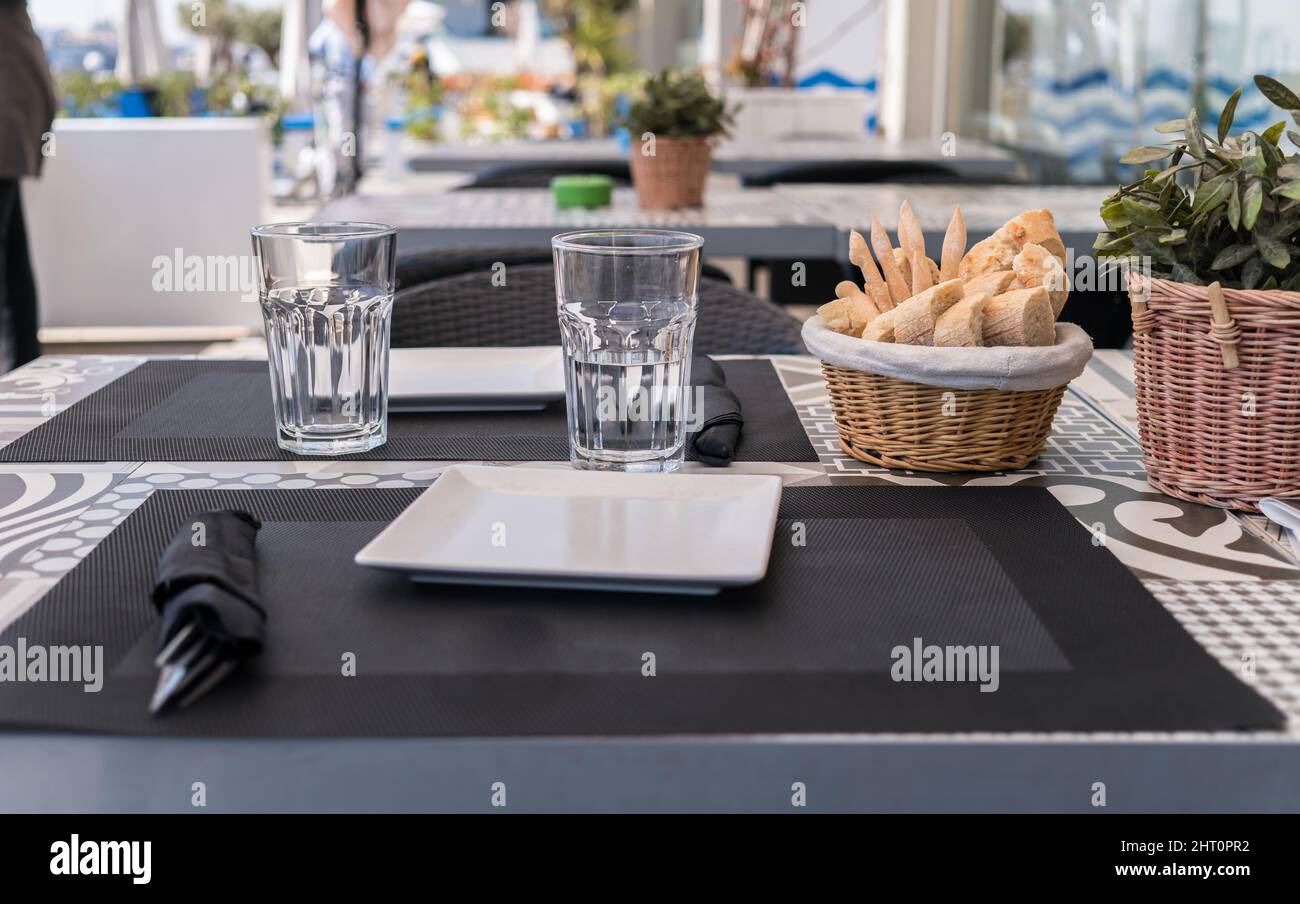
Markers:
(904, 265)
(898, 289)
(910, 237)
(922, 278)
(954, 247)
(860, 256)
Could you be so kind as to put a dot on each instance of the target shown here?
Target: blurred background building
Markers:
(184, 122)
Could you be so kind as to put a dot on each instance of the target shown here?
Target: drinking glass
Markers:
(326, 291)
(627, 301)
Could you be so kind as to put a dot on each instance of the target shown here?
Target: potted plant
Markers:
(1216, 312)
(673, 122)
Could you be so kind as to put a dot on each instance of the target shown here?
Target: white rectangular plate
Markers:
(557, 527)
(474, 379)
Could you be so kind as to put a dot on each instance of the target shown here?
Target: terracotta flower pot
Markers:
(674, 175)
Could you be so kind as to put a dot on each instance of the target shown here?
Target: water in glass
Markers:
(328, 350)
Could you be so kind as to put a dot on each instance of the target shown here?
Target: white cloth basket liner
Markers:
(1012, 368)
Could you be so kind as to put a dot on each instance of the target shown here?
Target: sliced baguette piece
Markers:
(836, 316)
(991, 283)
(845, 288)
(992, 255)
(915, 319)
(882, 328)
(1036, 266)
(860, 256)
(1023, 317)
(1035, 227)
(963, 323)
(862, 310)
(899, 290)
(954, 247)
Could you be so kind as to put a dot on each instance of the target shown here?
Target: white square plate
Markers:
(474, 379)
(557, 527)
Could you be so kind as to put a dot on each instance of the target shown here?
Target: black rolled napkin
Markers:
(719, 417)
(207, 576)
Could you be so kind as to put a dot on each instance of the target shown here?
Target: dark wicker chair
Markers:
(427, 264)
(855, 172)
(468, 310)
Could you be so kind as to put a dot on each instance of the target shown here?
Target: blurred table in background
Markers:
(971, 158)
(735, 223)
(785, 221)
(1076, 208)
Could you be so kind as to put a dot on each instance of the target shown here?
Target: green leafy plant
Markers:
(174, 93)
(594, 31)
(1221, 208)
(85, 94)
(678, 104)
(226, 21)
(599, 96)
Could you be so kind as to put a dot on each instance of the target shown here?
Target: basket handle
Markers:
(1223, 328)
(1139, 291)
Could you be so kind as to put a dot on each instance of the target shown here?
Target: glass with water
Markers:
(627, 301)
(326, 291)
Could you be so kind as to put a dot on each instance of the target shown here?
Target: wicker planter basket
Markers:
(995, 414)
(674, 176)
(1212, 434)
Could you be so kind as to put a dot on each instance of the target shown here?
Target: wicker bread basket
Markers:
(1211, 433)
(993, 415)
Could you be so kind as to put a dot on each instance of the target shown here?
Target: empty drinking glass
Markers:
(326, 291)
(627, 301)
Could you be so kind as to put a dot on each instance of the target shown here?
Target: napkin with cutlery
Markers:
(718, 414)
(212, 616)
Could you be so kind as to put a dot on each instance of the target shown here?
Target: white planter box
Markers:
(769, 114)
(117, 194)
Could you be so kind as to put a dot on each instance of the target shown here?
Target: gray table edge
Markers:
(812, 240)
(77, 773)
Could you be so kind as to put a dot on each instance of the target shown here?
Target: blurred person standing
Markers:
(28, 103)
(350, 32)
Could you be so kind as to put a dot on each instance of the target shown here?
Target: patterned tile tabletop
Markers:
(1228, 579)
(497, 208)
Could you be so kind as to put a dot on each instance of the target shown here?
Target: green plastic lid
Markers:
(582, 191)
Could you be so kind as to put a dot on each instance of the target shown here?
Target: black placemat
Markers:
(221, 411)
(855, 572)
